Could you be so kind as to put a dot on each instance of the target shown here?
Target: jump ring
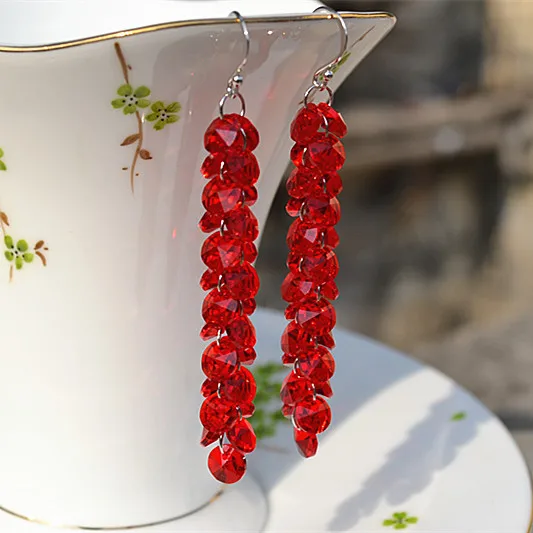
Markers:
(232, 96)
(313, 89)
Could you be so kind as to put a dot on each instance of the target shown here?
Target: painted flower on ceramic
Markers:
(163, 114)
(131, 99)
(400, 521)
(17, 253)
(2, 164)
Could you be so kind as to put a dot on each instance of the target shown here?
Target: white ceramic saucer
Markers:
(404, 439)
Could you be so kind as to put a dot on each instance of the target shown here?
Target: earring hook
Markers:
(324, 74)
(235, 82)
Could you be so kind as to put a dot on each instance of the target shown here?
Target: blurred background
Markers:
(436, 245)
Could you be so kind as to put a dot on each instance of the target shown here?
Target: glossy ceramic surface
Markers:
(99, 202)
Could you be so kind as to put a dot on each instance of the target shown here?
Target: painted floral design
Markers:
(400, 521)
(18, 252)
(132, 101)
(457, 417)
(267, 415)
(163, 114)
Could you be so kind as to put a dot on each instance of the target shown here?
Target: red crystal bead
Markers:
(212, 165)
(306, 123)
(287, 410)
(295, 339)
(329, 290)
(208, 331)
(335, 122)
(242, 332)
(227, 465)
(248, 356)
(302, 182)
(250, 131)
(220, 359)
(208, 437)
(324, 389)
(242, 436)
(322, 211)
(217, 414)
(331, 238)
(306, 443)
(326, 152)
(247, 409)
(220, 252)
(295, 389)
(312, 416)
(293, 207)
(208, 387)
(249, 306)
(223, 134)
(317, 365)
(241, 168)
(290, 311)
(320, 265)
(288, 359)
(316, 317)
(326, 340)
(239, 388)
(302, 236)
(220, 197)
(241, 223)
(241, 281)
(295, 288)
(209, 280)
(332, 184)
(219, 308)
(210, 222)
(250, 195)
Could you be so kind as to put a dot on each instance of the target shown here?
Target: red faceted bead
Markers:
(324, 389)
(248, 356)
(287, 410)
(295, 389)
(210, 222)
(241, 223)
(209, 280)
(223, 134)
(293, 207)
(220, 197)
(329, 290)
(295, 339)
(249, 306)
(326, 152)
(239, 388)
(241, 168)
(250, 131)
(290, 311)
(326, 340)
(220, 359)
(220, 252)
(331, 238)
(241, 281)
(217, 414)
(307, 122)
(208, 437)
(322, 211)
(295, 288)
(300, 156)
(212, 166)
(334, 122)
(209, 387)
(250, 195)
(219, 308)
(227, 465)
(302, 182)
(332, 184)
(313, 415)
(208, 332)
(288, 359)
(316, 317)
(302, 236)
(306, 443)
(317, 365)
(319, 266)
(242, 332)
(247, 409)
(242, 436)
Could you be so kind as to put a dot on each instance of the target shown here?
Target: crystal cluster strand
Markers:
(232, 282)
(308, 288)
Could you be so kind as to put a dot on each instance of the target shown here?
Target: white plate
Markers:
(393, 447)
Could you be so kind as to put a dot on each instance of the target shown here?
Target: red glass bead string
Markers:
(232, 282)
(313, 186)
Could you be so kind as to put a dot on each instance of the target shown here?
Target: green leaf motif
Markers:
(2, 166)
(461, 415)
(172, 118)
(158, 106)
(399, 516)
(400, 521)
(400, 526)
(159, 125)
(125, 90)
(9, 255)
(174, 107)
(1, 152)
(129, 109)
(143, 103)
(28, 257)
(22, 245)
(118, 103)
(411, 520)
(152, 116)
(19, 262)
(141, 92)
(389, 522)
(8, 241)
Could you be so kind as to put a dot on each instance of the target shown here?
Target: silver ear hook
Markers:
(235, 82)
(323, 75)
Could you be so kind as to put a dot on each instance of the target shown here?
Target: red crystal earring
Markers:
(232, 282)
(309, 286)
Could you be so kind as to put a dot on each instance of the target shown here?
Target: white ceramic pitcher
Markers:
(99, 204)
